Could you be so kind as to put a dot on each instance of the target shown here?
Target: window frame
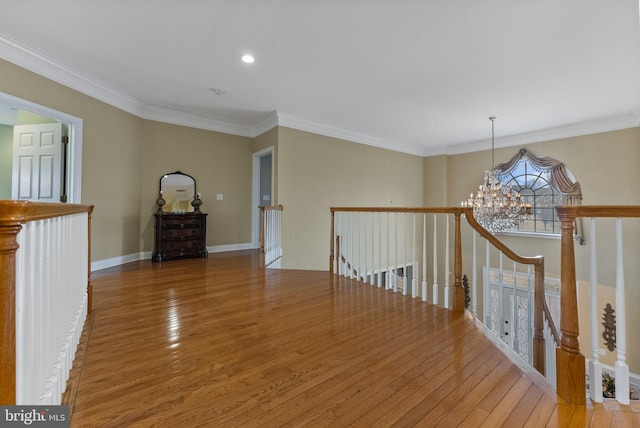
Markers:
(558, 178)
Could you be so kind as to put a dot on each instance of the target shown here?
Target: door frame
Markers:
(74, 163)
(255, 194)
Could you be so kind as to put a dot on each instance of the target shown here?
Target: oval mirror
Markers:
(178, 190)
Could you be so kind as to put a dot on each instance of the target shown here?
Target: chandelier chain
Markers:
(497, 209)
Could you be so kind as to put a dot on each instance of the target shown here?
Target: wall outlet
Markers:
(219, 197)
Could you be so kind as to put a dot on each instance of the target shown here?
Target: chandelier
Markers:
(496, 208)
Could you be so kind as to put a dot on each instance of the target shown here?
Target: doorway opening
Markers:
(262, 194)
(16, 111)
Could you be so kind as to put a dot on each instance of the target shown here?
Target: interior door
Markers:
(265, 181)
(37, 162)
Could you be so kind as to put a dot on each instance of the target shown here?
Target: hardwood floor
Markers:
(223, 343)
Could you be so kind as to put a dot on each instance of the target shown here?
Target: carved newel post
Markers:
(570, 362)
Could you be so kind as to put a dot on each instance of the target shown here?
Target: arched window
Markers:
(544, 183)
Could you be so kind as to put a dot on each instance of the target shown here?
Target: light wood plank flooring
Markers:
(223, 343)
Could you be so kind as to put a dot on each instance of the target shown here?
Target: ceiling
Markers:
(414, 76)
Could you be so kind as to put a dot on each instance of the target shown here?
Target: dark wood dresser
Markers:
(180, 236)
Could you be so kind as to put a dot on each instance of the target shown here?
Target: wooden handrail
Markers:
(539, 359)
(13, 214)
(611, 211)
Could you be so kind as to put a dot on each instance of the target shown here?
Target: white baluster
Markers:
(358, 265)
(342, 237)
(414, 272)
(486, 287)
(501, 320)
(530, 303)
(387, 282)
(595, 366)
(337, 241)
(352, 252)
(404, 259)
(550, 353)
(474, 278)
(279, 233)
(365, 268)
(424, 257)
(435, 260)
(380, 246)
(447, 274)
(372, 278)
(397, 259)
(514, 307)
(622, 369)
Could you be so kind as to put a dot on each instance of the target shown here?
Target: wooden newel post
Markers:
(262, 223)
(8, 248)
(458, 301)
(570, 364)
(538, 322)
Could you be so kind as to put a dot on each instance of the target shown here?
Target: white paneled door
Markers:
(37, 162)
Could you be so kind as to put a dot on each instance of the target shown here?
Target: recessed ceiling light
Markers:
(248, 59)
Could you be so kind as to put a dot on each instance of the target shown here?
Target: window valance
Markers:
(559, 177)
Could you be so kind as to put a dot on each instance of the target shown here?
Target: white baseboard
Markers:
(231, 247)
(634, 378)
(120, 260)
(117, 261)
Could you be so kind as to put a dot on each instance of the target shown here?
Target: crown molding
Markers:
(613, 123)
(291, 121)
(176, 117)
(41, 63)
(266, 125)
(45, 65)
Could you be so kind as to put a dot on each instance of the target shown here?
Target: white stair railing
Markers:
(271, 235)
(613, 331)
(621, 369)
(49, 259)
(392, 249)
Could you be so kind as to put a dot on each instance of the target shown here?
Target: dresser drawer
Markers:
(180, 236)
(180, 245)
(180, 223)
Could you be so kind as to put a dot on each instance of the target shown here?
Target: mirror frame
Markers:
(161, 201)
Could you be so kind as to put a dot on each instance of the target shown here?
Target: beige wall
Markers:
(435, 181)
(604, 164)
(111, 158)
(123, 158)
(317, 172)
(220, 164)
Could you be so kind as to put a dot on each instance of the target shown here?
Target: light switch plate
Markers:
(219, 196)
